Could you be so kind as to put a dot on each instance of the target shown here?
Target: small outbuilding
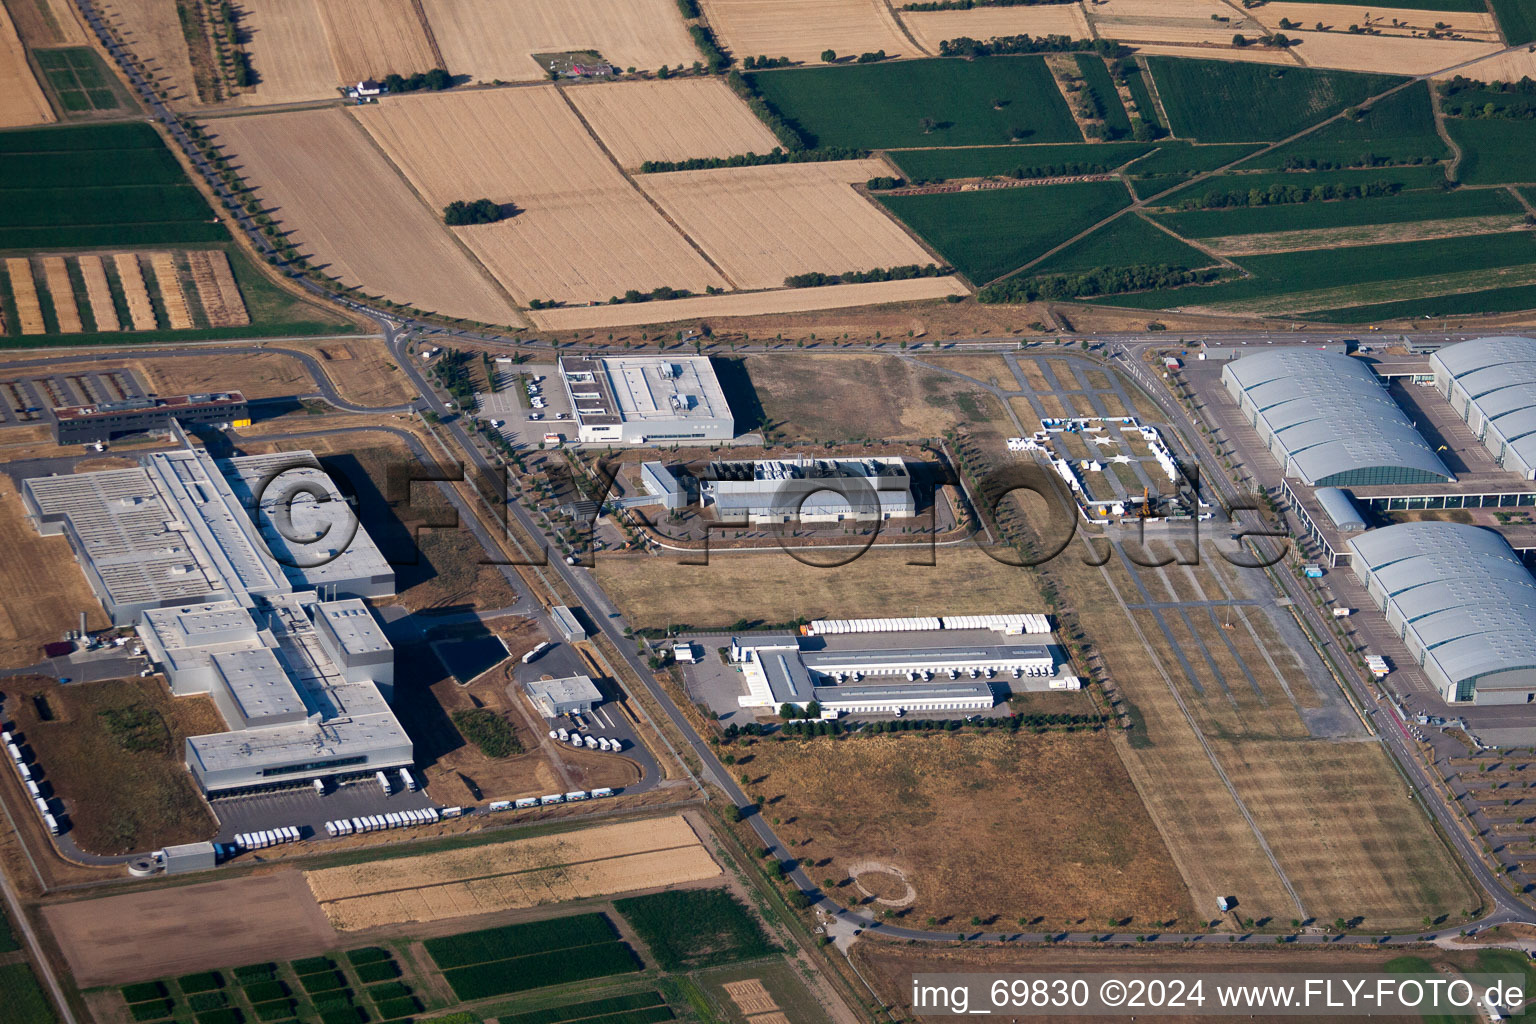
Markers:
(556, 697)
(189, 857)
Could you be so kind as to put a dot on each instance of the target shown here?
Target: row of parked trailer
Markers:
(394, 819)
(24, 769)
(268, 837)
(578, 739)
(575, 796)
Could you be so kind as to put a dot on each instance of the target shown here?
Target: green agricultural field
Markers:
(519, 939)
(634, 1008)
(80, 138)
(1105, 97)
(1517, 19)
(70, 169)
(986, 234)
(919, 103)
(539, 970)
(1174, 163)
(1125, 242)
(1136, 83)
(1227, 101)
(77, 79)
(1407, 178)
(8, 941)
(1494, 151)
(692, 928)
(1399, 129)
(1343, 213)
(1360, 274)
(21, 998)
(1492, 300)
(1009, 161)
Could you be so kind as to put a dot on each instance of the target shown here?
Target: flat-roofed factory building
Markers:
(556, 697)
(88, 424)
(808, 490)
(646, 399)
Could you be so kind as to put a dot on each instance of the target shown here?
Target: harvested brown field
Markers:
(947, 810)
(29, 311)
(321, 177)
(676, 119)
(21, 97)
(1372, 234)
(258, 375)
(1338, 17)
(99, 293)
(583, 232)
(216, 289)
(1501, 67)
(140, 310)
(801, 29)
(288, 49)
(56, 273)
(750, 996)
(151, 29)
(43, 585)
(832, 398)
(374, 38)
(114, 752)
(588, 862)
(772, 586)
(930, 28)
(496, 39)
(168, 281)
(189, 927)
(762, 224)
(1395, 55)
(784, 300)
(987, 369)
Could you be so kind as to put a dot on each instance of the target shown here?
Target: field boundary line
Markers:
(1157, 97)
(1445, 136)
(426, 30)
(630, 179)
(1206, 746)
(436, 216)
(901, 27)
(1194, 243)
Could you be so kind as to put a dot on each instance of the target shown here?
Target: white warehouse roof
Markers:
(1333, 421)
(1492, 383)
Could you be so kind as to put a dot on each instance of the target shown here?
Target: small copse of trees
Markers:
(475, 211)
(435, 80)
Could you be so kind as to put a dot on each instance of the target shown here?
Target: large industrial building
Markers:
(922, 665)
(806, 490)
(88, 424)
(197, 553)
(1491, 383)
(1328, 421)
(1462, 603)
(646, 399)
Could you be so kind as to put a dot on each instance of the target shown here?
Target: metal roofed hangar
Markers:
(1491, 383)
(1328, 421)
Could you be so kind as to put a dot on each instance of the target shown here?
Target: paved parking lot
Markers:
(308, 810)
(507, 405)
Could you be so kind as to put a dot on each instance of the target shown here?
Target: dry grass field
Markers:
(62, 292)
(374, 38)
(989, 369)
(961, 815)
(1372, 234)
(152, 30)
(672, 120)
(1395, 55)
(29, 311)
(1338, 17)
(21, 97)
(140, 310)
(99, 293)
(258, 375)
(326, 183)
(168, 281)
(930, 28)
(762, 224)
(1169, 21)
(216, 289)
(42, 584)
(288, 48)
(784, 300)
(361, 371)
(597, 861)
(583, 233)
(801, 29)
(189, 927)
(495, 39)
(835, 397)
(772, 586)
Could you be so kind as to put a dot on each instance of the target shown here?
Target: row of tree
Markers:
(789, 134)
(965, 46)
(775, 156)
(636, 295)
(715, 59)
(760, 63)
(1098, 281)
(1300, 163)
(1280, 194)
(903, 273)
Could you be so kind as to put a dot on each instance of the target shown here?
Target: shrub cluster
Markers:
(435, 80)
(477, 211)
(488, 731)
(1280, 194)
(773, 156)
(715, 59)
(883, 183)
(1098, 281)
(760, 63)
(816, 279)
(636, 295)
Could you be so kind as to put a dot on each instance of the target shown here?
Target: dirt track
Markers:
(145, 935)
